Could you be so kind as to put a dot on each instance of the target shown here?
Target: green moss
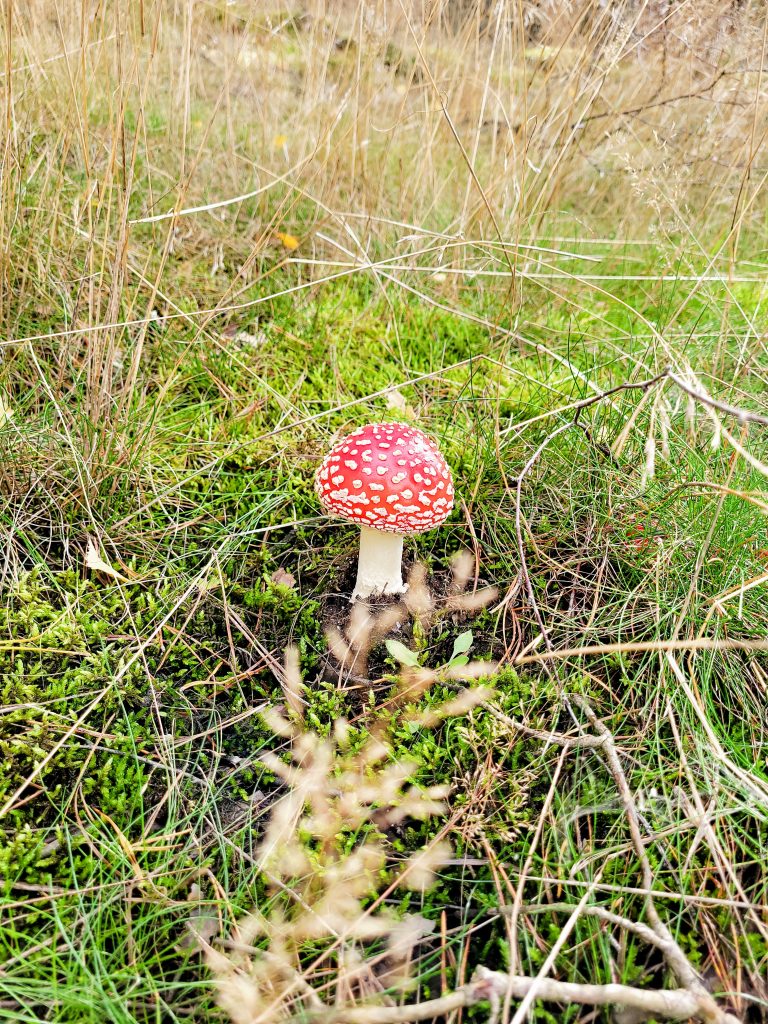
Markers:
(87, 672)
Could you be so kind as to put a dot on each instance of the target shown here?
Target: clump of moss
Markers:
(89, 671)
(58, 658)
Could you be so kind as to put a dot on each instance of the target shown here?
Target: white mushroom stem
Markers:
(380, 568)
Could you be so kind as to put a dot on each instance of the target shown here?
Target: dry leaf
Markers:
(283, 578)
(395, 400)
(245, 338)
(94, 561)
(289, 241)
(251, 340)
(6, 412)
(202, 924)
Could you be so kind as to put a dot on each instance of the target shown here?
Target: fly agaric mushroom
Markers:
(392, 480)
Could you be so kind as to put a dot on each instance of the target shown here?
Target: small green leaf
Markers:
(401, 653)
(461, 645)
(460, 659)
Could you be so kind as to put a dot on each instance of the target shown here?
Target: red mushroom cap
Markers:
(388, 476)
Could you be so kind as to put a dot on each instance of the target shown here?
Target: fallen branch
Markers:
(492, 986)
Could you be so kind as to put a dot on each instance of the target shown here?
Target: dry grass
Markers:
(474, 121)
(441, 137)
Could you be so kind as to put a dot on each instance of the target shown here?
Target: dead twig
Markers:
(693, 94)
(742, 415)
(492, 986)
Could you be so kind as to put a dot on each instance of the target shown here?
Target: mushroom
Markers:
(392, 480)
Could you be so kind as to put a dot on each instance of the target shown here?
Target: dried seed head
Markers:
(650, 455)
(717, 435)
(359, 626)
(664, 429)
(292, 682)
(462, 566)
(690, 416)
(418, 599)
(473, 602)
(420, 869)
